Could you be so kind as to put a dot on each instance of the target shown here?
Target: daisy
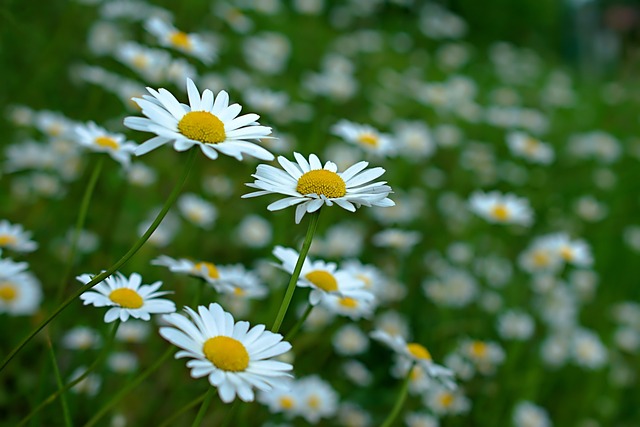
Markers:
(418, 354)
(240, 282)
(366, 137)
(14, 237)
(233, 357)
(218, 276)
(310, 185)
(359, 304)
(127, 297)
(501, 208)
(96, 138)
(282, 400)
(150, 63)
(317, 399)
(529, 148)
(81, 338)
(197, 210)
(443, 401)
(191, 44)
(527, 414)
(20, 290)
(576, 252)
(208, 121)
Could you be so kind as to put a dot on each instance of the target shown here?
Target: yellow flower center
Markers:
(127, 298)
(286, 402)
(365, 279)
(239, 292)
(180, 39)
(140, 61)
(500, 212)
(531, 145)
(7, 239)
(321, 181)
(202, 126)
(540, 259)
(55, 129)
(418, 351)
(566, 253)
(105, 141)
(479, 349)
(211, 269)
(348, 302)
(323, 280)
(368, 139)
(8, 292)
(226, 353)
(313, 402)
(446, 399)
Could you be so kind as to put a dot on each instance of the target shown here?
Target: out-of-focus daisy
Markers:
(283, 400)
(310, 185)
(90, 385)
(443, 401)
(150, 63)
(366, 137)
(576, 252)
(527, 414)
(588, 350)
(122, 362)
(501, 208)
(395, 238)
(317, 399)
(418, 354)
(352, 415)
(414, 140)
(255, 231)
(356, 306)
(14, 237)
(530, 148)
(191, 44)
(233, 357)
(485, 355)
(127, 297)
(240, 282)
(81, 338)
(133, 331)
(20, 290)
(96, 138)
(419, 419)
(203, 269)
(53, 124)
(197, 210)
(516, 325)
(208, 122)
(350, 340)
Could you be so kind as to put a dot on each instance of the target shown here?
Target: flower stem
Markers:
(169, 421)
(292, 333)
(313, 223)
(400, 400)
(203, 408)
(100, 277)
(56, 371)
(227, 419)
(82, 216)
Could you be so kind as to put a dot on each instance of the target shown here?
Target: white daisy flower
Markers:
(126, 297)
(576, 252)
(240, 282)
(443, 401)
(418, 354)
(150, 63)
(366, 137)
(281, 400)
(359, 304)
(530, 148)
(501, 208)
(20, 291)
(528, 414)
(96, 138)
(317, 399)
(197, 210)
(208, 122)
(90, 385)
(203, 269)
(81, 338)
(234, 357)
(191, 44)
(310, 185)
(14, 237)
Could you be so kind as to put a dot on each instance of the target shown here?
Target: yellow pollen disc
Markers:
(287, 402)
(321, 181)
(479, 349)
(140, 61)
(8, 292)
(105, 141)
(314, 402)
(202, 126)
(180, 39)
(418, 351)
(226, 353)
(446, 399)
(531, 145)
(365, 279)
(540, 259)
(566, 253)
(211, 269)
(239, 292)
(500, 212)
(368, 139)
(7, 239)
(127, 298)
(348, 302)
(323, 280)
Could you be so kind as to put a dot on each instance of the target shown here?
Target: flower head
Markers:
(95, 138)
(14, 237)
(191, 44)
(501, 208)
(310, 185)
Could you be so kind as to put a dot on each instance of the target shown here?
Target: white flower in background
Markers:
(530, 148)
(15, 238)
(233, 357)
(414, 140)
(127, 297)
(352, 415)
(208, 122)
(151, 64)
(197, 210)
(284, 400)
(340, 240)
(588, 350)
(141, 175)
(166, 231)
(133, 331)
(452, 288)
(444, 401)
(516, 325)
(310, 185)
(90, 385)
(398, 239)
(575, 252)
(236, 280)
(527, 414)
(420, 419)
(20, 290)
(53, 124)
(95, 138)
(357, 372)
(191, 44)
(540, 257)
(317, 399)
(392, 323)
(267, 52)
(366, 137)
(500, 208)
(485, 355)
(254, 231)
(81, 338)
(122, 362)
(359, 304)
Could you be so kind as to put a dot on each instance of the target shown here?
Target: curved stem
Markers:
(192, 404)
(203, 408)
(292, 333)
(82, 216)
(100, 277)
(56, 371)
(313, 223)
(128, 387)
(400, 400)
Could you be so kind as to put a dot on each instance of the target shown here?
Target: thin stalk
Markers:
(313, 223)
(203, 408)
(100, 277)
(227, 419)
(82, 216)
(192, 404)
(400, 400)
(292, 333)
(56, 371)
(129, 387)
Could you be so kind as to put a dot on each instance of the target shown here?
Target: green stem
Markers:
(82, 216)
(100, 277)
(227, 419)
(61, 389)
(169, 421)
(203, 408)
(313, 223)
(56, 371)
(128, 387)
(292, 333)
(400, 400)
